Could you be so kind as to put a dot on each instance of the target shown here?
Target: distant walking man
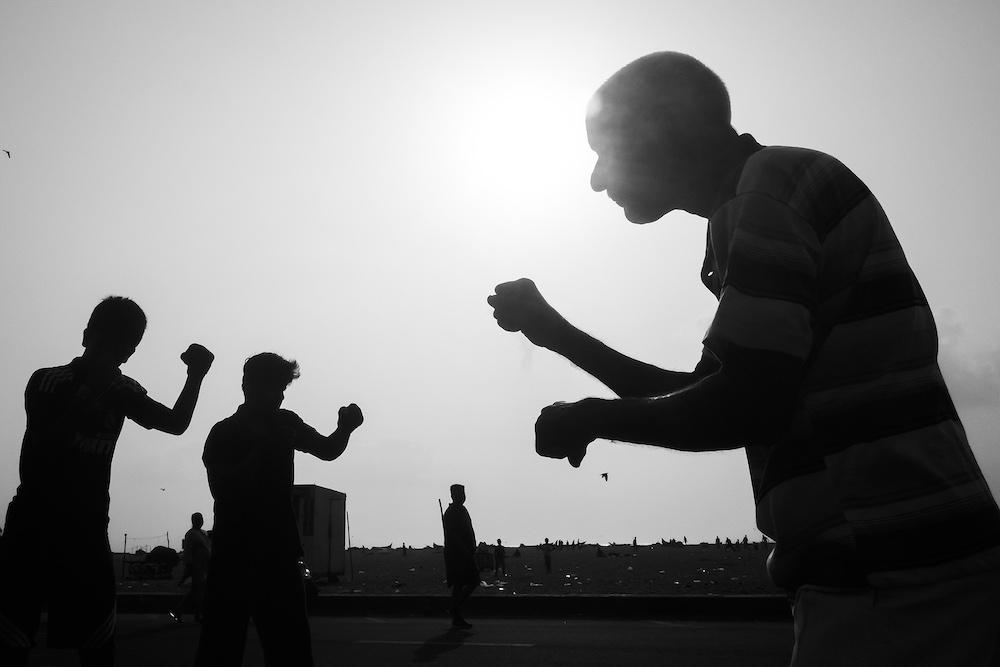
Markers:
(197, 548)
(499, 559)
(254, 571)
(75, 414)
(820, 362)
(459, 555)
(547, 549)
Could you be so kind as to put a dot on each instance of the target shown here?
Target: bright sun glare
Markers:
(521, 136)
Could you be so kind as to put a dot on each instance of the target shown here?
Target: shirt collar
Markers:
(746, 146)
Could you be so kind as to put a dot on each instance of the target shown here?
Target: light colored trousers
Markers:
(945, 624)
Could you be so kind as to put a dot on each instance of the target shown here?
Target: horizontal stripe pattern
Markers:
(876, 464)
(11, 635)
(103, 633)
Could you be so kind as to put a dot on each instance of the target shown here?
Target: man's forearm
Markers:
(662, 422)
(713, 414)
(332, 446)
(182, 412)
(625, 376)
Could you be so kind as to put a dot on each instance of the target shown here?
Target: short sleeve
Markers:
(135, 401)
(305, 435)
(768, 257)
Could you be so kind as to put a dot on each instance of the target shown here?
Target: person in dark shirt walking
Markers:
(459, 555)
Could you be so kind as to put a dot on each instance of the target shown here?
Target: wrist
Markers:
(589, 414)
(561, 335)
(596, 417)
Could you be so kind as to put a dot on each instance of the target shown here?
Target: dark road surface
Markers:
(152, 640)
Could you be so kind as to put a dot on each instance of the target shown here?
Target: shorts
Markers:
(953, 622)
(75, 582)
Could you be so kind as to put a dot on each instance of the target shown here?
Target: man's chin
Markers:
(640, 217)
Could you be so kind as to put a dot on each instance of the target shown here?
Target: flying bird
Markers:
(7, 152)
(605, 476)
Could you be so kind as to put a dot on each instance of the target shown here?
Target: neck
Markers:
(715, 166)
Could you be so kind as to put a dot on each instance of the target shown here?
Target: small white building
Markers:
(320, 515)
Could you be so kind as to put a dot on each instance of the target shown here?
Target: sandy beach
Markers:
(651, 570)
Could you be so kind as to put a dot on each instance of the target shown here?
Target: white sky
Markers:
(346, 184)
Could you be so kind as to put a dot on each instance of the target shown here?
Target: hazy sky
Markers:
(345, 183)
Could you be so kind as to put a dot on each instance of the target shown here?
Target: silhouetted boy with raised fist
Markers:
(250, 461)
(75, 414)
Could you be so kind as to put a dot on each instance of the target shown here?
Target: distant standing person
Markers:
(547, 549)
(254, 571)
(459, 555)
(75, 414)
(197, 549)
(499, 559)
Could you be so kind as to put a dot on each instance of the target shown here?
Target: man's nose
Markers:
(597, 181)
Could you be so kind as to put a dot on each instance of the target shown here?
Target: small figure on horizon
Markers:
(499, 559)
(547, 549)
(197, 550)
(75, 415)
(250, 460)
(635, 545)
(459, 555)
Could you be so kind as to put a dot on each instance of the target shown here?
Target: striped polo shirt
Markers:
(874, 481)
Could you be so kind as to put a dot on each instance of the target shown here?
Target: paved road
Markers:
(151, 640)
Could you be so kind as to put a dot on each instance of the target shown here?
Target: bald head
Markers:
(662, 133)
(669, 96)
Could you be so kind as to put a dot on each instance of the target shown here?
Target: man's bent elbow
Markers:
(176, 426)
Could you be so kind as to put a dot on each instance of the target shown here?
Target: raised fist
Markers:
(350, 417)
(519, 306)
(561, 433)
(198, 359)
